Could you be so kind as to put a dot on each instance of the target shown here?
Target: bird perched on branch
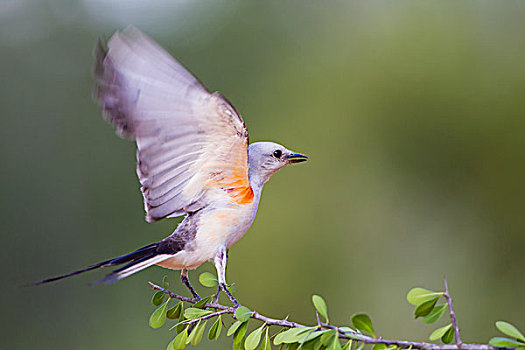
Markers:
(193, 157)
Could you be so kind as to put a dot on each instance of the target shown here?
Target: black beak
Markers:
(295, 158)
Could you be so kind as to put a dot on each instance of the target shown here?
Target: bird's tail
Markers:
(136, 261)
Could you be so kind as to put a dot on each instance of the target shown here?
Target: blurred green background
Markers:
(412, 114)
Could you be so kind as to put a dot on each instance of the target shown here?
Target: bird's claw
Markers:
(224, 288)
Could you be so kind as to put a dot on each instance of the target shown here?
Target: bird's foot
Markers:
(186, 282)
(224, 288)
(217, 295)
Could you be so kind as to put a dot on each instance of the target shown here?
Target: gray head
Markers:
(265, 158)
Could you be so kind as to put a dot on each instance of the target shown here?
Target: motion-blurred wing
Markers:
(189, 141)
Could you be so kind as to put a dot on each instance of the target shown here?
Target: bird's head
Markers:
(265, 158)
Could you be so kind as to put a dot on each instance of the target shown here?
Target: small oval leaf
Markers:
(193, 333)
(254, 338)
(180, 340)
(320, 306)
(208, 280)
(327, 338)
(239, 333)
(158, 298)
(158, 317)
(363, 323)
(192, 313)
(417, 296)
(266, 344)
(292, 335)
(505, 342)
(438, 333)
(312, 335)
(425, 308)
(508, 329)
(335, 344)
(175, 311)
(233, 328)
(179, 327)
(215, 330)
(165, 283)
(243, 314)
(202, 303)
(448, 337)
(435, 314)
(196, 335)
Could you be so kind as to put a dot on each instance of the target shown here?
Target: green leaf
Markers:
(175, 311)
(192, 313)
(180, 326)
(266, 344)
(239, 334)
(215, 330)
(335, 344)
(239, 345)
(417, 296)
(197, 332)
(448, 337)
(313, 335)
(348, 345)
(158, 298)
(208, 280)
(165, 283)
(291, 335)
(193, 333)
(293, 346)
(311, 344)
(233, 328)
(243, 314)
(202, 303)
(346, 330)
(158, 317)
(363, 323)
(180, 340)
(254, 338)
(327, 338)
(505, 342)
(435, 314)
(320, 306)
(379, 346)
(438, 333)
(425, 308)
(508, 329)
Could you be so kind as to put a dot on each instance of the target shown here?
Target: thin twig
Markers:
(453, 316)
(342, 335)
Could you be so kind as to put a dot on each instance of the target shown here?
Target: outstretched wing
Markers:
(189, 141)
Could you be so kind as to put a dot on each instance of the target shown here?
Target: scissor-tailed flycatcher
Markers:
(193, 157)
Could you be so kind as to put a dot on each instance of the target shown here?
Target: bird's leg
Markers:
(220, 264)
(186, 282)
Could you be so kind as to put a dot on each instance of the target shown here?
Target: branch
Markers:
(459, 343)
(342, 334)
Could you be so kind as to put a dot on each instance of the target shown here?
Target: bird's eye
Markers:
(277, 153)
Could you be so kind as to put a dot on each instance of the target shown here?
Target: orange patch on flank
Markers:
(243, 195)
(232, 176)
(238, 187)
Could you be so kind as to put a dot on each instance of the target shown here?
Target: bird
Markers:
(194, 158)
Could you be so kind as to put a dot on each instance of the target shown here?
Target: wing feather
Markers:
(190, 142)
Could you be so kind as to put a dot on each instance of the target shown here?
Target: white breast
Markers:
(218, 227)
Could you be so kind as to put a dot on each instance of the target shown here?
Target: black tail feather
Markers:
(132, 258)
